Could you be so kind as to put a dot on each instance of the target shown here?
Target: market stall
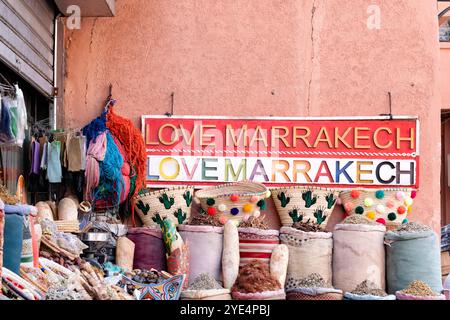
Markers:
(132, 226)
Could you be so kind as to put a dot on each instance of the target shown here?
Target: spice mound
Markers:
(358, 219)
(368, 287)
(314, 280)
(145, 276)
(253, 222)
(255, 277)
(204, 220)
(307, 226)
(412, 227)
(204, 281)
(419, 289)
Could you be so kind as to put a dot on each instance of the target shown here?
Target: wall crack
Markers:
(313, 11)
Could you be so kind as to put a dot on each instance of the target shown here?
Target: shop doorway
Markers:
(14, 159)
(445, 167)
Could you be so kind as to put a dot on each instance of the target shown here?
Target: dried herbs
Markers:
(204, 281)
(358, 219)
(368, 288)
(255, 277)
(419, 288)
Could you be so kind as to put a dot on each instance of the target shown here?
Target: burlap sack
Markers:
(309, 252)
(412, 256)
(358, 255)
(44, 210)
(257, 244)
(150, 251)
(213, 294)
(279, 263)
(205, 249)
(125, 253)
(67, 210)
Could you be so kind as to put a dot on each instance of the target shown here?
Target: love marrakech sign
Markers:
(339, 152)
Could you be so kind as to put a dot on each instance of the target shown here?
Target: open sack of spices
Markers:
(358, 253)
(205, 287)
(418, 290)
(412, 253)
(173, 203)
(367, 290)
(389, 207)
(246, 280)
(233, 201)
(310, 251)
(255, 282)
(304, 204)
(312, 287)
(205, 250)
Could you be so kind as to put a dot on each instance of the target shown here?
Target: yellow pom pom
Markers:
(371, 215)
(408, 201)
(268, 193)
(409, 209)
(248, 207)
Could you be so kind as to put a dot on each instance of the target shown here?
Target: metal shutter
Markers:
(27, 40)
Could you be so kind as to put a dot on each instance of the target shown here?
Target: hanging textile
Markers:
(54, 170)
(20, 112)
(74, 151)
(35, 157)
(133, 143)
(6, 134)
(111, 181)
(95, 153)
(12, 159)
(95, 128)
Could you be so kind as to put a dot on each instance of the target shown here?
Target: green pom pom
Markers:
(405, 221)
(379, 194)
(392, 216)
(262, 204)
(210, 202)
(359, 210)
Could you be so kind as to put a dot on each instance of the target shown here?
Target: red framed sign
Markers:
(340, 152)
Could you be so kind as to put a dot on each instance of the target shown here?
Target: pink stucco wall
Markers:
(274, 57)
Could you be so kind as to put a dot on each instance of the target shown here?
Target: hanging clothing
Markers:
(44, 157)
(35, 157)
(12, 160)
(22, 119)
(83, 143)
(74, 152)
(54, 170)
(95, 153)
(6, 134)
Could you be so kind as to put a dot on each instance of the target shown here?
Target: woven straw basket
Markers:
(386, 206)
(233, 201)
(299, 203)
(295, 295)
(173, 203)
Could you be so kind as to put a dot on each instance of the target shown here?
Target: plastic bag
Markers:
(70, 243)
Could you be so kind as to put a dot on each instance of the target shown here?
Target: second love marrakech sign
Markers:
(340, 152)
